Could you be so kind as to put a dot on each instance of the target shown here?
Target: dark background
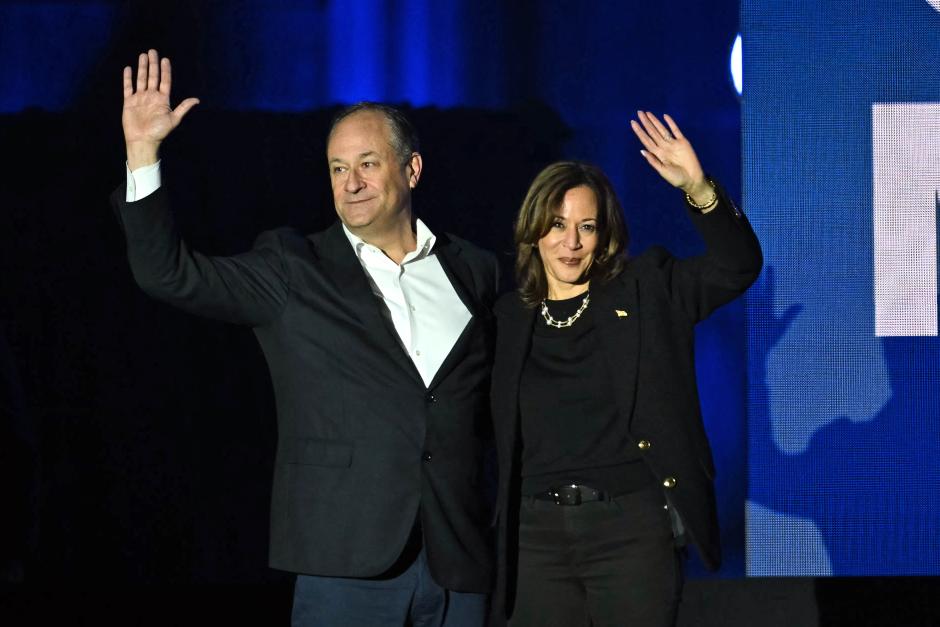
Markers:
(121, 501)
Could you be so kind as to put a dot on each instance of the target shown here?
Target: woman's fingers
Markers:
(642, 136)
(673, 126)
(662, 131)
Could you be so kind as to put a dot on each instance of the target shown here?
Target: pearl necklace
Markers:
(561, 324)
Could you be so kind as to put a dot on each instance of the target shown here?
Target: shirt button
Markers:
(418, 353)
(426, 456)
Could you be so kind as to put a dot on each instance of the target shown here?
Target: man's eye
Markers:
(368, 164)
(338, 169)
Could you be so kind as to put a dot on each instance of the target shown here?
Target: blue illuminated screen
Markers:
(841, 154)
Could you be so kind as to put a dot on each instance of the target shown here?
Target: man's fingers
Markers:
(128, 85)
(142, 71)
(153, 69)
(166, 77)
(183, 108)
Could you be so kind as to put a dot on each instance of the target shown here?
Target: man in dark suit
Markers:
(378, 337)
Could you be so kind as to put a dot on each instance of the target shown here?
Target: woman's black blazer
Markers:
(645, 319)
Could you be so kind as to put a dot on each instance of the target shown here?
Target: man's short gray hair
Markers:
(404, 138)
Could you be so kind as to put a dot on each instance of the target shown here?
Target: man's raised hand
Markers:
(147, 117)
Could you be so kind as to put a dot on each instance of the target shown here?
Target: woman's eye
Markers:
(558, 224)
(588, 228)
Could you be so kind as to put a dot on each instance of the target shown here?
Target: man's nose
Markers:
(354, 181)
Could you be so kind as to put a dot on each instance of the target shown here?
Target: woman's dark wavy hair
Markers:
(535, 218)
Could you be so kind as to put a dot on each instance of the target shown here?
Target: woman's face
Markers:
(567, 250)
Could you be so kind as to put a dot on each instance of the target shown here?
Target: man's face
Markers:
(371, 187)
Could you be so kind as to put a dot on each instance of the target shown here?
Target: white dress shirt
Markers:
(424, 307)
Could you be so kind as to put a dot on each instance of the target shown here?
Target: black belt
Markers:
(572, 495)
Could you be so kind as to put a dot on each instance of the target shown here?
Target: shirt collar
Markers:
(425, 242)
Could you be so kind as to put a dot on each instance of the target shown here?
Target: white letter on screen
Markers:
(905, 180)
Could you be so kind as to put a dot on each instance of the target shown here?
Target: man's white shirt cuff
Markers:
(142, 182)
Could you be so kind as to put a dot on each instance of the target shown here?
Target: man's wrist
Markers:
(140, 154)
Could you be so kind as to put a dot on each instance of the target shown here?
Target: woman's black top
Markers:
(571, 430)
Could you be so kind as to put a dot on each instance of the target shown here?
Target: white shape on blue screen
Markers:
(906, 184)
(781, 545)
(737, 65)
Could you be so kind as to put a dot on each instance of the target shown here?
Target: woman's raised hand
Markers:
(670, 153)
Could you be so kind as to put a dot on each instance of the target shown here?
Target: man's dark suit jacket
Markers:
(363, 446)
(645, 321)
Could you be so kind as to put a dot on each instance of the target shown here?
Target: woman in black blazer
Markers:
(605, 469)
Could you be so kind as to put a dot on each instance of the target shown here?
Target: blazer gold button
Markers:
(621, 313)
(669, 482)
(644, 444)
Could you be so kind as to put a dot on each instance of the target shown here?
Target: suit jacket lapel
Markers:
(616, 314)
(512, 349)
(353, 284)
(459, 274)
(449, 255)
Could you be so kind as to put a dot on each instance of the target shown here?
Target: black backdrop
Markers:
(120, 503)
(126, 397)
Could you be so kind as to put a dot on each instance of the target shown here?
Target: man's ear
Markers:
(414, 170)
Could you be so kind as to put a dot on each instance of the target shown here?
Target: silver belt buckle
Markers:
(567, 495)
